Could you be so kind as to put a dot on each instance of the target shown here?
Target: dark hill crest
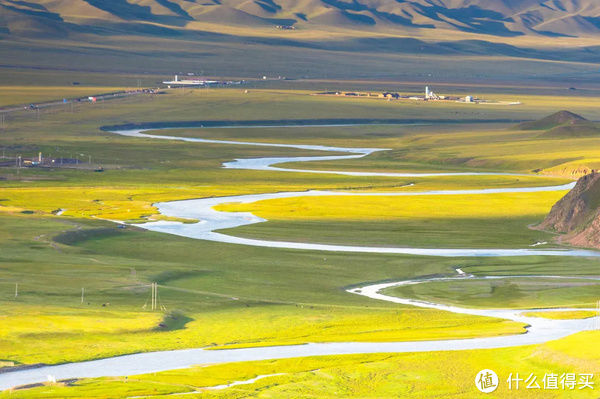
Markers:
(560, 118)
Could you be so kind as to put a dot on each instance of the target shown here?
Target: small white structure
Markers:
(469, 99)
(430, 95)
(189, 82)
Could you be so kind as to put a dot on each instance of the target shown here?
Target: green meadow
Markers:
(430, 221)
(222, 295)
(526, 292)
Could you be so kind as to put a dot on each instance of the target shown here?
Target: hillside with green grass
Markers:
(563, 124)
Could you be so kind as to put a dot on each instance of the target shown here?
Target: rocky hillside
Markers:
(506, 18)
(577, 214)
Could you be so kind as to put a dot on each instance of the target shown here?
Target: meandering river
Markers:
(539, 329)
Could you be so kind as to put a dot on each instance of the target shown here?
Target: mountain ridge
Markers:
(502, 18)
(402, 40)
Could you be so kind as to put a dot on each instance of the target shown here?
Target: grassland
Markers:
(403, 207)
(228, 295)
(220, 291)
(564, 315)
(504, 149)
(415, 375)
(484, 221)
(186, 171)
(57, 335)
(509, 292)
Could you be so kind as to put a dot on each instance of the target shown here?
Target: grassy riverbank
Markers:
(431, 221)
(411, 375)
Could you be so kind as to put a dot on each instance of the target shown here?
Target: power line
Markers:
(155, 303)
(154, 295)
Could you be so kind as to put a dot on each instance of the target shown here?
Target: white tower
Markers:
(427, 92)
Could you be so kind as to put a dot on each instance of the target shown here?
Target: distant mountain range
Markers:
(502, 18)
(403, 40)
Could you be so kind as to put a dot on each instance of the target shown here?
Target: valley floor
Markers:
(225, 295)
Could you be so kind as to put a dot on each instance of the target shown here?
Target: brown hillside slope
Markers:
(504, 18)
(503, 40)
(577, 214)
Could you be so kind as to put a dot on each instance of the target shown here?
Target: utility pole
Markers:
(82, 294)
(16, 290)
(154, 289)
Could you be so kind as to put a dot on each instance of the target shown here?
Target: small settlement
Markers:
(429, 95)
(40, 161)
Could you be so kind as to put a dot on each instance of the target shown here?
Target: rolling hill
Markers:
(563, 124)
(503, 18)
(555, 120)
(306, 37)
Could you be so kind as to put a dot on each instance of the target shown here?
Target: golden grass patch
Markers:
(398, 207)
(563, 315)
